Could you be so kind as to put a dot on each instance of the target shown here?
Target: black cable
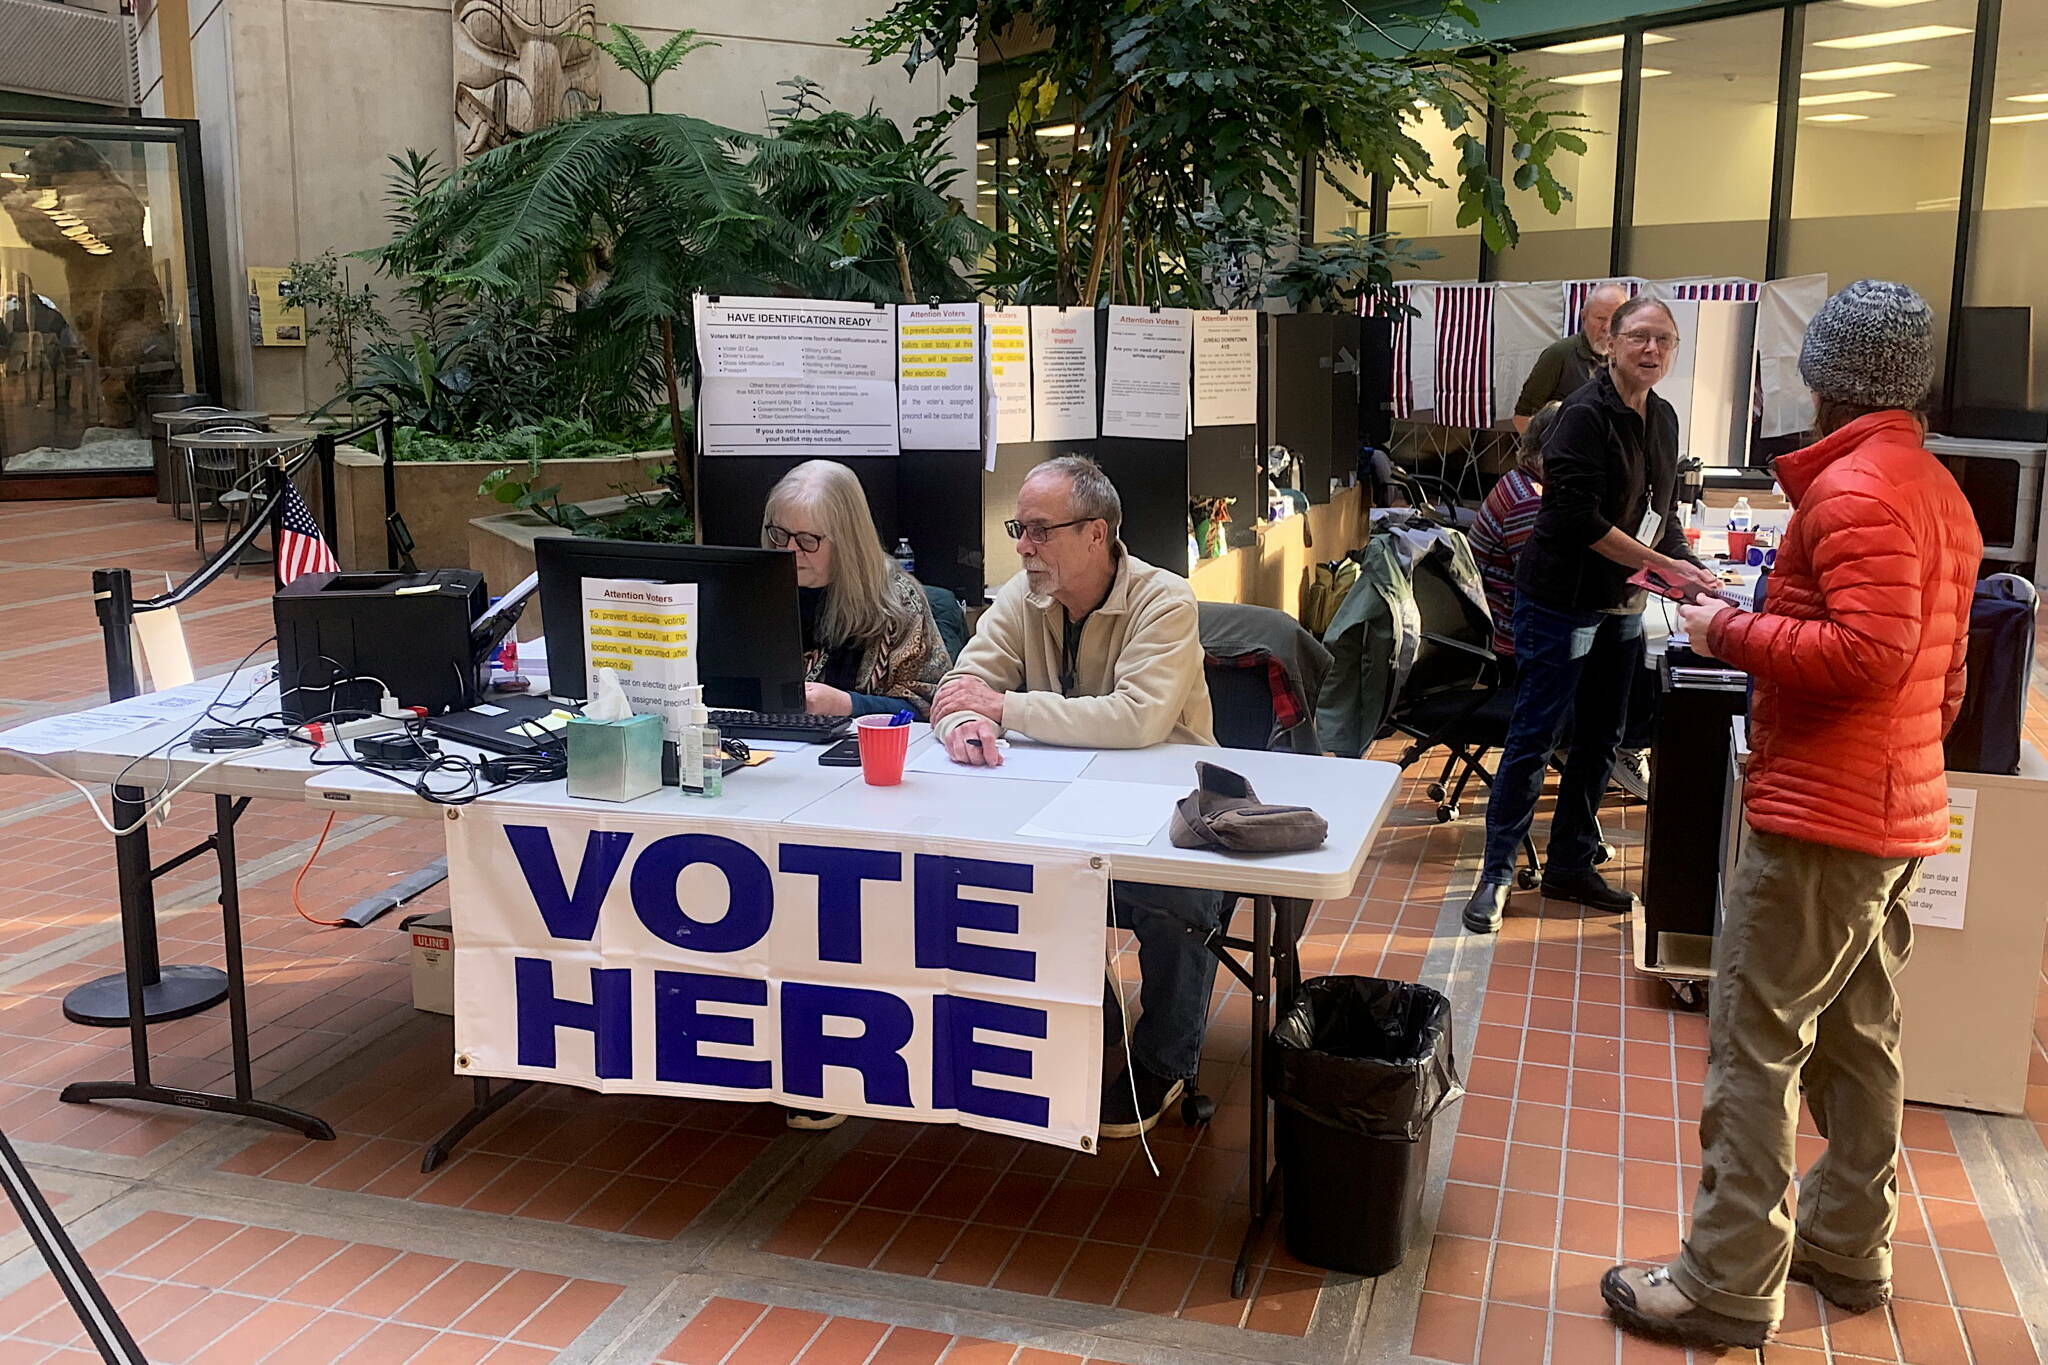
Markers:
(205, 715)
(500, 773)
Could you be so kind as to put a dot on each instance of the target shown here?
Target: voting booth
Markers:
(1462, 349)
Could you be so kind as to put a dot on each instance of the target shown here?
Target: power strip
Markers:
(322, 732)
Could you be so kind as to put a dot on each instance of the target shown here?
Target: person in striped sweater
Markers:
(1504, 524)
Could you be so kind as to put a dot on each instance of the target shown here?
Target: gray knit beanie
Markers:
(1872, 345)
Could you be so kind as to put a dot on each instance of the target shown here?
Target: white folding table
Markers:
(794, 789)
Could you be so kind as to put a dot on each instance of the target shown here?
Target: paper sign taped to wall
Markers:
(1943, 890)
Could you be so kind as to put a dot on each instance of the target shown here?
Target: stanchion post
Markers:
(323, 455)
(142, 992)
(387, 446)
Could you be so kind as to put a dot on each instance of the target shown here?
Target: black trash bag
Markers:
(1365, 1056)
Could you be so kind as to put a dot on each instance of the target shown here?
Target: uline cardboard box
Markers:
(433, 963)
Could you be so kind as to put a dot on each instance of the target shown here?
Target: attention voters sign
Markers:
(890, 977)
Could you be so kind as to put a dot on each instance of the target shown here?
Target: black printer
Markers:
(341, 635)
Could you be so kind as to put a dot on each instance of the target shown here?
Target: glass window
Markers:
(1428, 213)
(1335, 209)
(1706, 138)
(1577, 240)
(1877, 174)
(987, 151)
(2008, 268)
(98, 296)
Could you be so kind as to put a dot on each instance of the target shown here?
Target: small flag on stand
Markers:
(300, 550)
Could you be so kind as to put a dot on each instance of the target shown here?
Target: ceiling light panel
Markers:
(1843, 97)
(1607, 77)
(1836, 118)
(1611, 43)
(1857, 73)
(1892, 37)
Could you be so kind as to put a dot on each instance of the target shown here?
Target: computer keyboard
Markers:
(799, 726)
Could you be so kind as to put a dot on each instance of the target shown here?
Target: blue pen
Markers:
(903, 717)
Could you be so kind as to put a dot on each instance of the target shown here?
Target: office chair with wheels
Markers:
(1459, 696)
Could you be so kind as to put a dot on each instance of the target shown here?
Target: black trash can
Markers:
(1357, 1068)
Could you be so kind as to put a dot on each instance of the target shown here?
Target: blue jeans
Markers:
(1573, 673)
(1176, 969)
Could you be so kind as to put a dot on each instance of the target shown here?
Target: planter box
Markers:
(501, 548)
(438, 499)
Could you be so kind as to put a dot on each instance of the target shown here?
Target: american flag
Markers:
(300, 550)
(1575, 292)
(1718, 291)
(1376, 305)
(1464, 355)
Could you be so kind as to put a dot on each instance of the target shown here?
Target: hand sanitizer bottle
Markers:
(690, 741)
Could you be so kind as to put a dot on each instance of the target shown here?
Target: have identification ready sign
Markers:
(888, 977)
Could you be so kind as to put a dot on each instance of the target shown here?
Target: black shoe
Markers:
(1586, 888)
(1121, 1117)
(1483, 911)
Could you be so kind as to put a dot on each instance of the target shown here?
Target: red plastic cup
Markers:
(1739, 543)
(882, 747)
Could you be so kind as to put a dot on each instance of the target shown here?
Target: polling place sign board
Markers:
(886, 976)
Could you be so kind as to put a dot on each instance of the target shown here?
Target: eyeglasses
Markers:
(807, 541)
(1663, 340)
(1037, 532)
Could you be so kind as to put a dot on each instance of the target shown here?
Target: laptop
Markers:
(508, 723)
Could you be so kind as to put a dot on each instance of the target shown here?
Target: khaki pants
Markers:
(1810, 942)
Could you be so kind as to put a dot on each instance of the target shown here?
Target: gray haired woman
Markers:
(870, 644)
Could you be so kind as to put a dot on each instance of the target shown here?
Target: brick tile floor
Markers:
(209, 1291)
(633, 1230)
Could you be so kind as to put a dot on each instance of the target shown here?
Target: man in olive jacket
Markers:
(1092, 647)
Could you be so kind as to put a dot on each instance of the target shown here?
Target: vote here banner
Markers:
(886, 976)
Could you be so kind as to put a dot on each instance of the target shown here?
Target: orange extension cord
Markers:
(311, 858)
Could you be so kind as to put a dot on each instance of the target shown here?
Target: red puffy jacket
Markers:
(1858, 657)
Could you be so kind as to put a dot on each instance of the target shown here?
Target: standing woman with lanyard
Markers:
(1610, 482)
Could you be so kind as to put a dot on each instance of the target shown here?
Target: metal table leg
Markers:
(487, 1102)
(227, 810)
(1261, 1188)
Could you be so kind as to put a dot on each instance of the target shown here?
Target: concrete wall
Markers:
(301, 101)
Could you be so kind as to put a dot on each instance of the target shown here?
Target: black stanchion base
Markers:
(84, 1092)
(182, 990)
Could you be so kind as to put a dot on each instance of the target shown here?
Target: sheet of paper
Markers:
(779, 746)
(1226, 368)
(1145, 373)
(1062, 373)
(1021, 762)
(62, 734)
(646, 634)
(988, 407)
(1113, 812)
(938, 391)
(186, 704)
(1009, 371)
(1938, 898)
(796, 376)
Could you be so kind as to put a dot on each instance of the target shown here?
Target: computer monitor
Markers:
(750, 653)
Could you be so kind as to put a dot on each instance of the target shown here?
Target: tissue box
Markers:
(433, 962)
(615, 760)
